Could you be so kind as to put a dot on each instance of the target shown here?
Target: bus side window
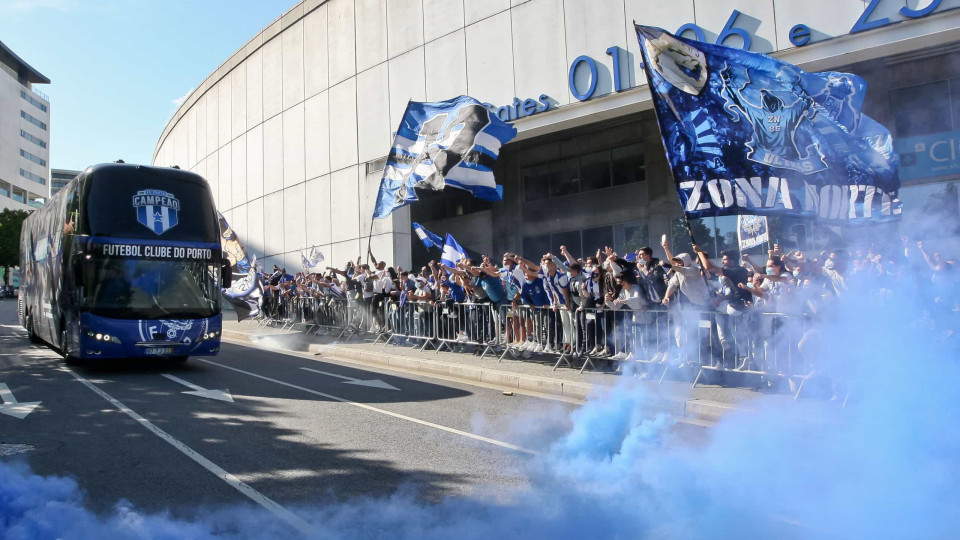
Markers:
(72, 212)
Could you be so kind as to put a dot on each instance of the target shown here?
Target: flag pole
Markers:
(369, 237)
(693, 242)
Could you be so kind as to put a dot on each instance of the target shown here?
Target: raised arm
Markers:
(435, 272)
(930, 262)
(337, 271)
(753, 291)
(454, 270)
(668, 256)
(705, 261)
(746, 259)
(489, 270)
(527, 263)
(569, 256)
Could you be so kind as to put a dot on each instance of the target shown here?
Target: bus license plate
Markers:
(158, 351)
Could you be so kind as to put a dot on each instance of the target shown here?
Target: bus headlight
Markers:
(99, 337)
(114, 339)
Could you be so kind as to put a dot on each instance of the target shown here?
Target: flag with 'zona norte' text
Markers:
(746, 133)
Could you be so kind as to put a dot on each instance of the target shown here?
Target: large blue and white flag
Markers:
(746, 133)
(245, 290)
(454, 142)
(428, 238)
(452, 252)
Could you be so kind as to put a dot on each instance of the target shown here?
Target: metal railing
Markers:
(648, 343)
(411, 323)
(461, 324)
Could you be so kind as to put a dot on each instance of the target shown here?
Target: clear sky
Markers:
(117, 67)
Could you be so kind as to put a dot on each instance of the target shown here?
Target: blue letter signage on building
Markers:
(799, 35)
(520, 108)
(929, 155)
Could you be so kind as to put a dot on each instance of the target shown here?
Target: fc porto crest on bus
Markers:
(182, 331)
(156, 209)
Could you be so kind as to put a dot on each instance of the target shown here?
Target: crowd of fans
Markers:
(609, 307)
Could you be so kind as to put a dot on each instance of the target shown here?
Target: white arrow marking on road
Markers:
(222, 395)
(374, 383)
(11, 407)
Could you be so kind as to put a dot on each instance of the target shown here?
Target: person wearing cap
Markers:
(687, 296)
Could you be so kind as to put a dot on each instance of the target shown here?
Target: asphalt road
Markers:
(126, 430)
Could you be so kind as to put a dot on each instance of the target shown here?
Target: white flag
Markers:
(312, 262)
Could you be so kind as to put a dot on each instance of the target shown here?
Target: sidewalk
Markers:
(534, 375)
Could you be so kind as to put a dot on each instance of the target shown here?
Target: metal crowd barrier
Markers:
(753, 342)
(352, 316)
(467, 324)
(329, 315)
(410, 322)
(648, 342)
(529, 330)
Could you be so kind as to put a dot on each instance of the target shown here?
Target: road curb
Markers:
(676, 406)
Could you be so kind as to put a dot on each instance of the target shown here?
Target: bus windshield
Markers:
(150, 289)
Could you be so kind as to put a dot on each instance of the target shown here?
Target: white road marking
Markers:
(381, 411)
(221, 395)
(282, 513)
(372, 383)
(11, 407)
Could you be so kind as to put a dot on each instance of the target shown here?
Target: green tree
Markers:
(10, 223)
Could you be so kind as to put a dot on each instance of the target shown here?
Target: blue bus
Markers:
(125, 261)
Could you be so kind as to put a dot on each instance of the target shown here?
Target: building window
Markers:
(29, 175)
(595, 170)
(33, 101)
(39, 161)
(586, 172)
(18, 197)
(624, 238)
(39, 142)
(33, 120)
(921, 109)
(628, 164)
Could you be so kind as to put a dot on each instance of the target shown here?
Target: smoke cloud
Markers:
(885, 466)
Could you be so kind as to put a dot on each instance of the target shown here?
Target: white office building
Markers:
(24, 134)
(292, 130)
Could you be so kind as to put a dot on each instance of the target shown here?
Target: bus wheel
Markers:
(28, 322)
(70, 360)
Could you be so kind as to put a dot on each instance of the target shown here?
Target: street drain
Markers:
(8, 449)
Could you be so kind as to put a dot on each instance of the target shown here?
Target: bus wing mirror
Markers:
(226, 274)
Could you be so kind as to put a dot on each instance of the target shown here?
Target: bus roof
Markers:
(179, 174)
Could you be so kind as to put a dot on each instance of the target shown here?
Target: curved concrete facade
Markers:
(291, 130)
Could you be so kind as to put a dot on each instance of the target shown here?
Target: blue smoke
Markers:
(886, 466)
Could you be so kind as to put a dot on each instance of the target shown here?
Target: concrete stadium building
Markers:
(292, 130)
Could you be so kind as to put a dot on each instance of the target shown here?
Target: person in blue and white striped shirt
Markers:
(557, 284)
